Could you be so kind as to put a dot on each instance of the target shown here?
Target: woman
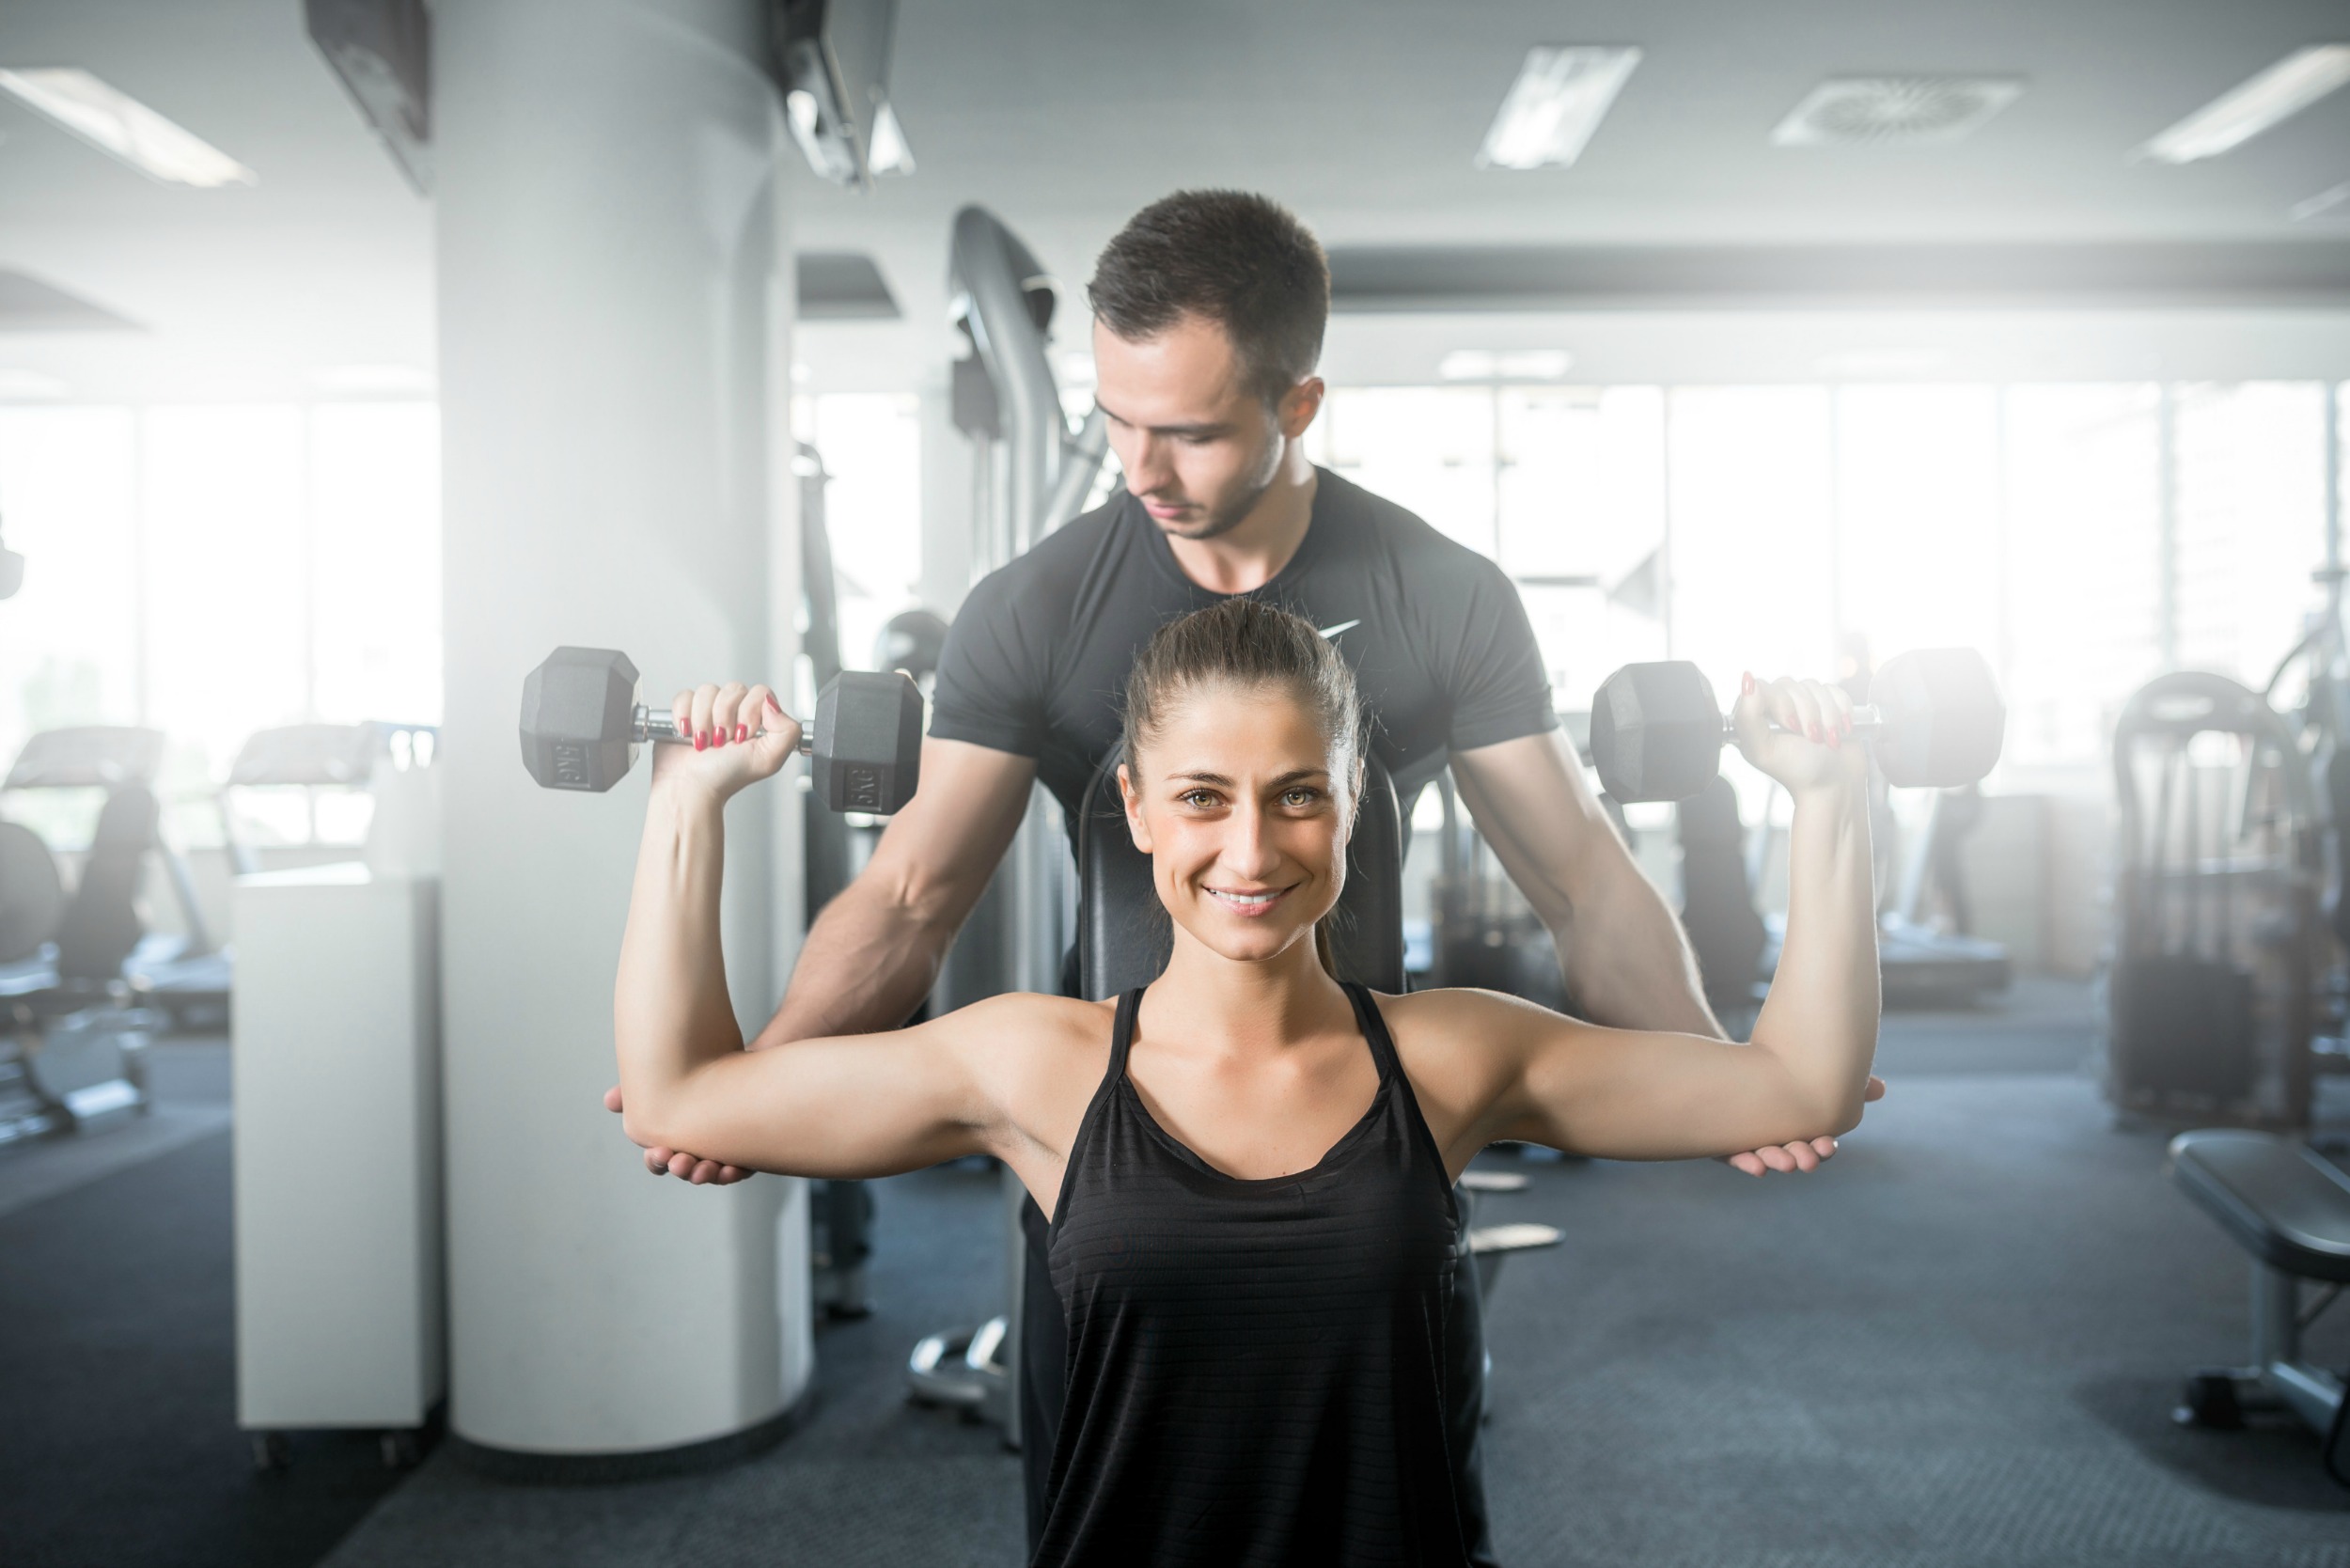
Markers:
(1248, 1165)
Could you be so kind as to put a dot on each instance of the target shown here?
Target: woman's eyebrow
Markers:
(1203, 776)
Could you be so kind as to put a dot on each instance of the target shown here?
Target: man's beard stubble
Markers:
(1232, 514)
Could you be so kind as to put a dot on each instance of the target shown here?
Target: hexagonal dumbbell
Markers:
(582, 725)
(1934, 717)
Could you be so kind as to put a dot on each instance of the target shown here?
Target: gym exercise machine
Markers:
(80, 981)
(2219, 954)
(1031, 472)
(389, 764)
(185, 976)
(2289, 1208)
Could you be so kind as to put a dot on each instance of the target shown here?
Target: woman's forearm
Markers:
(1820, 1016)
(670, 1008)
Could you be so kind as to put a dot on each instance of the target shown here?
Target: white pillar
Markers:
(614, 399)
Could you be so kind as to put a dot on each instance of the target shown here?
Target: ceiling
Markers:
(1066, 115)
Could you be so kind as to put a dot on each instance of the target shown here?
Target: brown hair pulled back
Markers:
(1242, 643)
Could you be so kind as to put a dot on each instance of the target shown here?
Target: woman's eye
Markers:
(1300, 798)
(1198, 800)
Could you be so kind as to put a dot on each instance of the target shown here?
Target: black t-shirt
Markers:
(1037, 659)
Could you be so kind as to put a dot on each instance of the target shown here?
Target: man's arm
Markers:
(874, 951)
(1626, 960)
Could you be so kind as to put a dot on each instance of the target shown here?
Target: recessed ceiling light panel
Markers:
(2242, 112)
(114, 122)
(1854, 111)
(2332, 202)
(1550, 111)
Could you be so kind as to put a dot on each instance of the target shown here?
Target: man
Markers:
(1209, 310)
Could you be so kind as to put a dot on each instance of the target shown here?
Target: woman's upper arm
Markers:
(849, 1106)
(1639, 1094)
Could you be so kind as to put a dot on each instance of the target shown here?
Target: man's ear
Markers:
(1140, 834)
(1298, 406)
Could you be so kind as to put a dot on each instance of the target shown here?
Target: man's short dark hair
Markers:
(1243, 261)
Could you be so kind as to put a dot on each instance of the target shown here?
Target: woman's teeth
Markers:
(1244, 901)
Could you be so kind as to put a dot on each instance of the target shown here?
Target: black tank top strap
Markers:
(1121, 1036)
(1123, 1033)
(1374, 1026)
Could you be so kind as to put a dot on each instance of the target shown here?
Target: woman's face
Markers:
(1242, 816)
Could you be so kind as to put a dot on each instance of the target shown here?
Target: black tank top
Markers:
(1256, 1367)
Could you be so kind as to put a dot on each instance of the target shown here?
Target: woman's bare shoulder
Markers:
(1451, 1010)
(1023, 1031)
(1015, 1011)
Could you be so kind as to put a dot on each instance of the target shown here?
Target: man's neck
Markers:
(1253, 553)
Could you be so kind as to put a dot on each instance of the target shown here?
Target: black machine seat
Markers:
(1124, 936)
(2284, 1203)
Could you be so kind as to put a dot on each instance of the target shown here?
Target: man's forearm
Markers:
(865, 965)
(1626, 960)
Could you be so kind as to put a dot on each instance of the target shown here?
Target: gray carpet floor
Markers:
(1958, 1345)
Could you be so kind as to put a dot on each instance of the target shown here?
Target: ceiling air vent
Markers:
(1859, 111)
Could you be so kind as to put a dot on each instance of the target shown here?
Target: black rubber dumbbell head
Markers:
(867, 755)
(579, 719)
(1940, 721)
(1656, 731)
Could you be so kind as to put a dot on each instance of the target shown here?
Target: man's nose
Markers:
(1148, 469)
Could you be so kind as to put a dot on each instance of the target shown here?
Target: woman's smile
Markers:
(1248, 902)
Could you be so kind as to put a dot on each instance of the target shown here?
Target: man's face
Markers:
(1199, 445)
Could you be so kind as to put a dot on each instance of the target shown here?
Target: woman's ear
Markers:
(1134, 825)
(1354, 796)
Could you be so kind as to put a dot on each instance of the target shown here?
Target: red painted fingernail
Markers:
(741, 732)
(772, 703)
(718, 736)
(701, 739)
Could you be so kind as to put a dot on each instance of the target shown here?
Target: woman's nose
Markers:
(1248, 848)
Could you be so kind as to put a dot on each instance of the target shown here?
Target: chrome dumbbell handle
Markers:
(1866, 718)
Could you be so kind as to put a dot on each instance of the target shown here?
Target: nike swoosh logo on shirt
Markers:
(1330, 632)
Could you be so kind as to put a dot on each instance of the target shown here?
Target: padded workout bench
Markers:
(2289, 1209)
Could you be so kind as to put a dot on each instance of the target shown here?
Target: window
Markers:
(2084, 565)
(872, 444)
(213, 571)
(1776, 529)
(2251, 508)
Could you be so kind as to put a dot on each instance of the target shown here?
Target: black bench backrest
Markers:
(102, 923)
(1124, 936)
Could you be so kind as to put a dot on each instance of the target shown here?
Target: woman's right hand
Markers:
(741, 734)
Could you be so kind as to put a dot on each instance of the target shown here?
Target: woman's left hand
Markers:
(1799, 733)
